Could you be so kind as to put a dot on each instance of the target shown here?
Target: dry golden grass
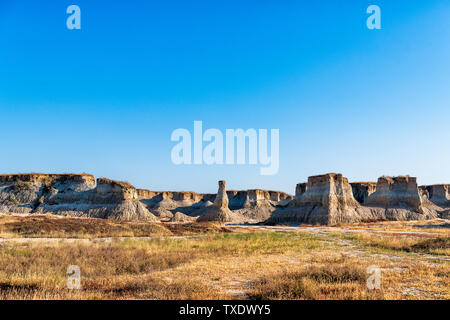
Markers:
(343, 280)
(109, 270)
(216, 264)
(126, 269)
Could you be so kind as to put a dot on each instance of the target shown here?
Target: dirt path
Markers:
(329, 230)
(94, 240)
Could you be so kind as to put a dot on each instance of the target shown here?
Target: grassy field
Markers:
(207, 261)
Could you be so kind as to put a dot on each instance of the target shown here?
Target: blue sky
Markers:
(105, 99)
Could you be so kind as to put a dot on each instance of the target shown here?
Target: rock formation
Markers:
(398, 198)
(329, 199)
(395, 192)
(326, 199)
(71, 195)
(300, 189)
(180, 217)
(221, 201)
(219, 211)
(362, 190)
(23, 193)
(438, 193)
(255, 204)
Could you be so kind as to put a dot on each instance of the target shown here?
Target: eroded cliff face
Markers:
(327, 189)
(255, 204)
(164, 204)
(330, 199)
(300, 189)
(114, 191)
(22, 193)
(362, 190)
(237, 199)
(438, 193)
(173, 195)
(326, 199)
(399, 198)
(396, 192)
(85, 181)
(80, 195)
(71, 195)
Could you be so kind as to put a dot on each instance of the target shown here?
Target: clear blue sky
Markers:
(105, 99)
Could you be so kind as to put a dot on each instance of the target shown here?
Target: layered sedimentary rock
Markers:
(398, 198)
(78, 181)
(438, 193)
(255, 197)
(362, 190)
(165, 203)
(326, 199)
(300, 189)
(180, 217)
(176, 196)
(329, 199)
(221, 200)
(23, 193)
(396, 192)
(255, 204)
(437, 197)
(114, 191)
(71, 195)
(219, 211)
(424, 192)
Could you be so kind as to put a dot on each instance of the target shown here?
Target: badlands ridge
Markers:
(325, 199)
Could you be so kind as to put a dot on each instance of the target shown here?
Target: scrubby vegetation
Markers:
(57, 227)
(342, 279)
(21, 186)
